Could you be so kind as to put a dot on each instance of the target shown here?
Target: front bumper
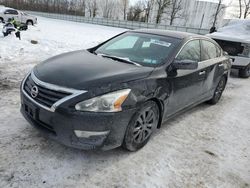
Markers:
(83, 130)
(240, 62)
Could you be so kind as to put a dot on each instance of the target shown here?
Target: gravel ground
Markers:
(205, 147)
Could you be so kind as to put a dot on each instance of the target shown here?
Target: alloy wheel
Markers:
(219, 90)
(144, 125)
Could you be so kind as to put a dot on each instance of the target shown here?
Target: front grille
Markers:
(45, 96)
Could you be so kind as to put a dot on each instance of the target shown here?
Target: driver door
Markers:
(186, 85)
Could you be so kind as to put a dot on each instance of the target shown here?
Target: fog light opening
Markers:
(87, 134)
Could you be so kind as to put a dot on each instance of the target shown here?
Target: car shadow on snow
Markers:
(43, 155)
(51, 150)
(52, 147)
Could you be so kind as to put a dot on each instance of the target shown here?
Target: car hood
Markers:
(83, 70)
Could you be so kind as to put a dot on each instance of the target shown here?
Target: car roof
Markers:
(168, 33)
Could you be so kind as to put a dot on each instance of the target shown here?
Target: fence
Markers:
(118, 23)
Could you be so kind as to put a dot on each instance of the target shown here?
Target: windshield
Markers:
(144, 49)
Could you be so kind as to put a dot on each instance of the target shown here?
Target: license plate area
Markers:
(31, 111)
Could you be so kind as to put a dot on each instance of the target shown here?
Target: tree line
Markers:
(117, 9)
(142, 10)
(244, 8)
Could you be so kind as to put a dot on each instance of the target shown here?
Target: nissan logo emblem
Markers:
(34, 91)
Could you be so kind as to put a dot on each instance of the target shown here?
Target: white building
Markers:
(194, 13)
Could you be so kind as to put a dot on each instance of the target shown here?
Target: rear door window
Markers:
(191, 51)
(210, 50)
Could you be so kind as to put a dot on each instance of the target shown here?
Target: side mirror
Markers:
(185, 64)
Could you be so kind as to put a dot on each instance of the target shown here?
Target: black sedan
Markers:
(121, 91)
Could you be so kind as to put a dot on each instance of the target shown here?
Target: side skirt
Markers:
(185, 109)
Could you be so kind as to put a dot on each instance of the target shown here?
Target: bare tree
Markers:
(134, 13)
(175, 8)
(107, 7)
(219, 8)
(161, 5)
(247, 8)
(92, 8)
(82, 7)
(47, 5)
(125, 5)
(149, 4)
(240, 5)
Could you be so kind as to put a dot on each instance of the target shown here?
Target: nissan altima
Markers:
(119, 92)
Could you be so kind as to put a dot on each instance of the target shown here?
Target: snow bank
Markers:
(235, 30)
(54, 37)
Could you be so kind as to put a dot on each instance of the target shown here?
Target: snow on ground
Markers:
(206, 147)
(54, 37)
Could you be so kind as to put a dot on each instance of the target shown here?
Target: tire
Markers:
(1, 20)
(218, 91)
(142, 125)
(29, 22)
(245, 73)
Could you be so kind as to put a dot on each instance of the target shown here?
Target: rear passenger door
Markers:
(213, 61)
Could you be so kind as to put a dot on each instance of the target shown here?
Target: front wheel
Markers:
(141, 126)
(245, 73)
(218, 91)
(29, 22)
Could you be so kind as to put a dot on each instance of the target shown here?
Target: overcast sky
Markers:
(133, 1)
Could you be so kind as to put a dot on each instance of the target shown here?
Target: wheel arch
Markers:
(161, 110)
(226, 76)
(31, 21)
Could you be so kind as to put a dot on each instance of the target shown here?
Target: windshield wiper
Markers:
(122, 59)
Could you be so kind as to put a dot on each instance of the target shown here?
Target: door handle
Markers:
(202, 73)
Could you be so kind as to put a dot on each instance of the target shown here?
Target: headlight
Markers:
(111, 102)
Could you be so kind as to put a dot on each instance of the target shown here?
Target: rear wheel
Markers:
(245, 73)
(141, 127)
(218, 91)
(29, 22)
